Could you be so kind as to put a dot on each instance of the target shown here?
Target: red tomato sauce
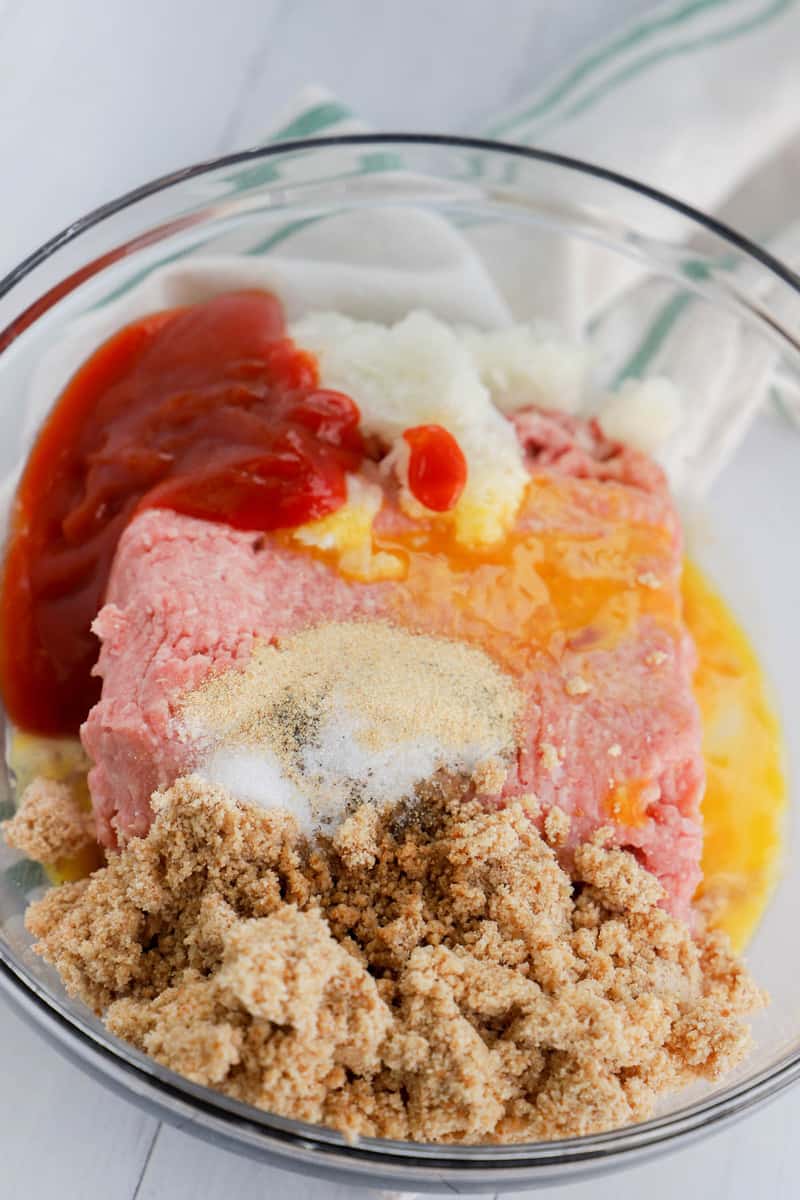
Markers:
(209, 410)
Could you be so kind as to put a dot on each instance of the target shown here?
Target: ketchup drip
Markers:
(437, 468)
(211, 411)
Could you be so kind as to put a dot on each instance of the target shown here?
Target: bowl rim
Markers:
(134, 1072)
(162, 182)
(322, 1151)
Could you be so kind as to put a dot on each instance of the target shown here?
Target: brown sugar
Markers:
(557, 826)
(50, 824)
(430, 973)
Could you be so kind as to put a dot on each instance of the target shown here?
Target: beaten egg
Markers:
(745, 794)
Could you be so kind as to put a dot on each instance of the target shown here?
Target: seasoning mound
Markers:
(431, 972)
(347, 711)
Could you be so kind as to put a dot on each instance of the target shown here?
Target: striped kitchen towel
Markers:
(700, 99)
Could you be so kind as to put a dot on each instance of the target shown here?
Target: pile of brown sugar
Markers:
(50, 825)
(431, 973)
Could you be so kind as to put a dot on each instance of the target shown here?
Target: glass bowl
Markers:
(553, 239)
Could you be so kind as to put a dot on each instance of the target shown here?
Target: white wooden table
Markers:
(97, 96)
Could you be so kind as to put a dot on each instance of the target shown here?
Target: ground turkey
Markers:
(612, 734)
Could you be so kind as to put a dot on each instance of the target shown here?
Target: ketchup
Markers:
(437, 469)
(211, 411)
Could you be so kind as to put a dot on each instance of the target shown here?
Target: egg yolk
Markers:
(540, 589)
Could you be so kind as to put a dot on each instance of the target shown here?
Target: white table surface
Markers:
(97, 96)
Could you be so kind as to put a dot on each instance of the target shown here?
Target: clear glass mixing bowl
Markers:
(560, 240)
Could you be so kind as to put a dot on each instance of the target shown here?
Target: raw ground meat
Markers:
(187, 598)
